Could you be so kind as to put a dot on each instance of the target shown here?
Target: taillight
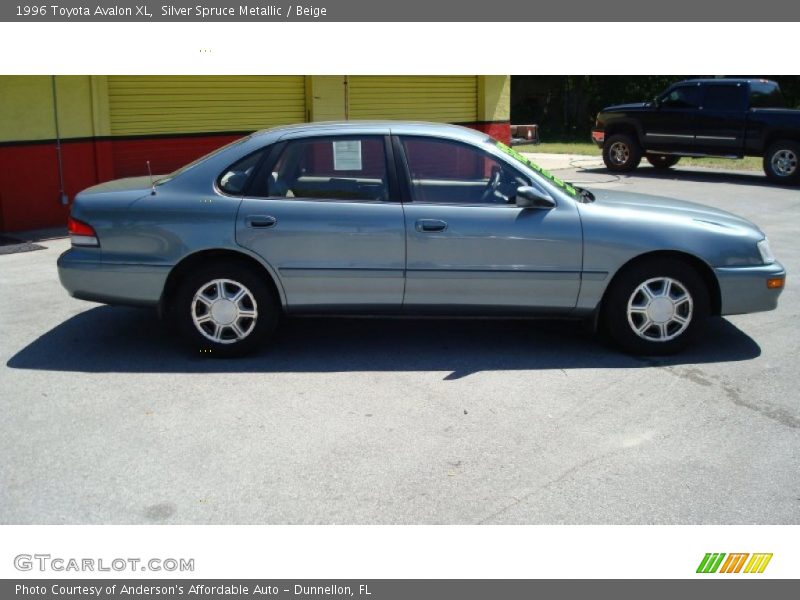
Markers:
(81, 234)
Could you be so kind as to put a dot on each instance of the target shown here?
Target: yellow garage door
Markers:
(449, 99)
(141, 105)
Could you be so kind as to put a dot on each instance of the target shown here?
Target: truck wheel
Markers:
(781, 162)
(655, 307)
(662, 161)
(621, 153)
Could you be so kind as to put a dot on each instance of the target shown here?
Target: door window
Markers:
(331, 168)
(686, 96)
(448, 172)
(725, 97)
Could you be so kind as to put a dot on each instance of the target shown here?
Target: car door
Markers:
(720, 124)
(469, 247)
(325, 215)
(670, 126)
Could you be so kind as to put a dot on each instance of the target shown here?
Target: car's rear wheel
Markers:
(225, 309)
(621, 153)
(662, 161)
(656, 307)
(782, 162)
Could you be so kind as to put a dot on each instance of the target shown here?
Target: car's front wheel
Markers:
(782, 162)
(662, 161)
(621, 153)
(225, 309)
(656, 307)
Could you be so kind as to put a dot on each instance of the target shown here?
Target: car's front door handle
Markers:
(261, 222)
(429, 225)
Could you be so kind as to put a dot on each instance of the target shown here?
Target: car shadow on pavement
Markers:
(126, 340)
(697, 175)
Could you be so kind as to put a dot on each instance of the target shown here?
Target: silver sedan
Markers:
(406, 218)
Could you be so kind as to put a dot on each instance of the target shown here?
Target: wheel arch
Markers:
(626, 128)
(780, 136)
(703, 269)
(200, 257)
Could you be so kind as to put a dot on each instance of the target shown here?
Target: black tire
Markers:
(258, 299)
(621, 153)
(662, 161)
(653, 340)
(782, 162)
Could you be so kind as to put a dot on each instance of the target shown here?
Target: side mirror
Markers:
(657, 102)
(530, 197)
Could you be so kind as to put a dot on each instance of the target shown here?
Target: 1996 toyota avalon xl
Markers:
(408, 218)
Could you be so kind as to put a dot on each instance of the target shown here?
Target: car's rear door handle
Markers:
(429, 225)
(261, 221)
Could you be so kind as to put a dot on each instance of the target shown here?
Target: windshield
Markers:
(562, 185)
(185, 168)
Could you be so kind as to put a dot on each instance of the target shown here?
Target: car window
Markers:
(331, 168)
(685, 96)
(766, 94)
(449, 172)
(725, 97)
(234, 179)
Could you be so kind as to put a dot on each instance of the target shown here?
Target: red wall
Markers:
(29, 184)
(29, 171)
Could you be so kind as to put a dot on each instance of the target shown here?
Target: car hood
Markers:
(651, 207)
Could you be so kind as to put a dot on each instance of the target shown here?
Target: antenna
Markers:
(152, 183)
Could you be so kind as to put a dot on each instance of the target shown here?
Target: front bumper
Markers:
(744, 289)
(86, 277)
(598, 137)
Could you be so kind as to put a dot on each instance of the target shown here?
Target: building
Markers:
(61, 134)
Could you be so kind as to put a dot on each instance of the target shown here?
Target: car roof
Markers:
(727, 80)
(445, 130)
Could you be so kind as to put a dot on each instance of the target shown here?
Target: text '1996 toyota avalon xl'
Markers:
(408, 218)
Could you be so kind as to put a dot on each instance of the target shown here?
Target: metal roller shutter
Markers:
(450, 99)
(143, 105)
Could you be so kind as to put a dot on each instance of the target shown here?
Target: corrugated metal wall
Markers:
(146, 105)
(452, 99)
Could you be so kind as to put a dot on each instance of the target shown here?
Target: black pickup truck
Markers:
(732, 118)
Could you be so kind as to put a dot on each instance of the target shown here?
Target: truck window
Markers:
(725, 97)
(766, 94)
(683, 96)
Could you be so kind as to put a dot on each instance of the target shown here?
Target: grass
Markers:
(749, 163)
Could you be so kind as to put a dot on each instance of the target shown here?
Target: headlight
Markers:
(766, 254)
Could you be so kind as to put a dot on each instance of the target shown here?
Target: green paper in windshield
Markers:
(531, 165)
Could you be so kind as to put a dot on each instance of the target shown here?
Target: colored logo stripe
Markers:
(758, 563)
(710, 562)
(734, 563)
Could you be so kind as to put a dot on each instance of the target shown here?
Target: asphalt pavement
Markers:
(107, 419)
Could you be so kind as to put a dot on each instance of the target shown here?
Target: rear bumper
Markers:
(598, 137)
(744, 289)
(86, 277)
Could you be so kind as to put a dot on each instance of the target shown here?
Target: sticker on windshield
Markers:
(532, 165)
(347, 155)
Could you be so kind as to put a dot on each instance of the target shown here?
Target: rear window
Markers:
(766, 94)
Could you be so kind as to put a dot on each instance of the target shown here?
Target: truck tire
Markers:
(621, 153)
(662, 161)
(782, 162)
